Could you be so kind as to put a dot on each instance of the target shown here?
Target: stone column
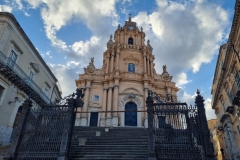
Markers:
(112, 58)
(85, 106)
(147, 65)
(135, 40)
(103, 114)
(117, 64)
(125, 38)
(151, 62)
(109, 107)
(115, 107)
(107, 67)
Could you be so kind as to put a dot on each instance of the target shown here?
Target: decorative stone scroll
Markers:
(131, 58)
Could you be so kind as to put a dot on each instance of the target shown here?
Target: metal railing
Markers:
(7, 61)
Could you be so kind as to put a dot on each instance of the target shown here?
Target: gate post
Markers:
(203, 130)
(151, 153)
(67, 129)
(17, 132)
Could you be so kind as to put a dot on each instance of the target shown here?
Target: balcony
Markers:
(235, 94)
(16, 75)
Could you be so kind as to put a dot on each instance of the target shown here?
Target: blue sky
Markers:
(185, 35)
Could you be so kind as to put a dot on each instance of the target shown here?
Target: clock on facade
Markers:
(131, 28)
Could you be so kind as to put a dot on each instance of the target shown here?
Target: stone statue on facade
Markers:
(164, 68)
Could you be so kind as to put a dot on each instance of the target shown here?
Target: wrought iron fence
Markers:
(44, 133)
(177, 131)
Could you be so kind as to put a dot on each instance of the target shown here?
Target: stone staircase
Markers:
(118, 143)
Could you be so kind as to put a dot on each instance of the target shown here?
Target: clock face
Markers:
(131, 28)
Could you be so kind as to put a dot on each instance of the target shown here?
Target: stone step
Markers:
(118, 143)
(115, 157)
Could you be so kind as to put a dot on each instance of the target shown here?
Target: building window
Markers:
(2, 89)
(96, 98)
(130, 40)
(12, 59)
(131, 67)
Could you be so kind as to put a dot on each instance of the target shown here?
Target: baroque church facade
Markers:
(122, 84)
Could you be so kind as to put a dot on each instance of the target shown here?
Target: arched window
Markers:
(131, 67)
(130, 40)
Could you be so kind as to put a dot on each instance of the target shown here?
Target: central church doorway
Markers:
(131, 116)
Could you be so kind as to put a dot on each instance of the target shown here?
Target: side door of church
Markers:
(94, 119)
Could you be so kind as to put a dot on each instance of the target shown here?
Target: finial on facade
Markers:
(141, 29)
(198, 92)
(148, 41)
(110, 37)
(92, 60)
(118, 26)
(164, 68)
(129, 17)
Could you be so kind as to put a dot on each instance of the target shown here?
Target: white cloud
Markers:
(5, 8)
(94, 14)
(48, 54)
(20, 5)
(184, 36)
(83, 47)
(190, 100)
(65, 76)
(72, 63)
(209, 111)
(181, 79)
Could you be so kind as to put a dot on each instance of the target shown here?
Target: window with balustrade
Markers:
(130, 40)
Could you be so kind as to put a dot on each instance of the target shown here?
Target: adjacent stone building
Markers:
(226, 92)
(123, 82)
(214, 139)
(23, 74)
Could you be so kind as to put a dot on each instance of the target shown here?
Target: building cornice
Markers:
(229, 52)
(11, 16)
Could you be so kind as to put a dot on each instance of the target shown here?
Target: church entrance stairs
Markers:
(116, 144)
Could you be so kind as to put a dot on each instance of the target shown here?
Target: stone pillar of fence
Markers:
(203, 130)
(152, 154)
(16, 134)
(67, 131)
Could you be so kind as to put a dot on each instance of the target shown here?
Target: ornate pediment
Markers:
(131, 58)
(90, 68)
(165, 75)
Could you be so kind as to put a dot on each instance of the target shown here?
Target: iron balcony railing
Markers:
(234, 94)
(7, 61)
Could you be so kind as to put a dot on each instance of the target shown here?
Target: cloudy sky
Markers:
(185, 35)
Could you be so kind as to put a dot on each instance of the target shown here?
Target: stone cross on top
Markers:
(129, 17)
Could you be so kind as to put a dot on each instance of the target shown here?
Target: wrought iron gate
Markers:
(44, 133)
(177, 131)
